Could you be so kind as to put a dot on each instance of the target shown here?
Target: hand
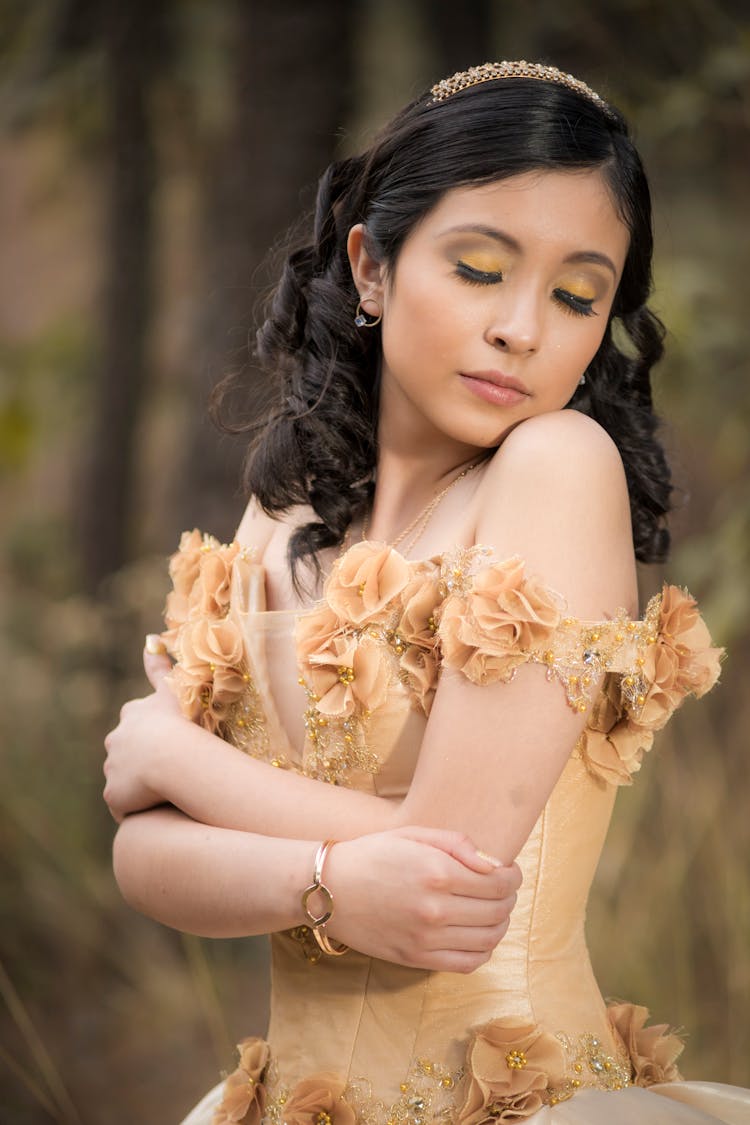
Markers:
(134, 743)
(422, 897)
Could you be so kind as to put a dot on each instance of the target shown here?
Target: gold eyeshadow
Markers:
(484, 261)
(578, 287)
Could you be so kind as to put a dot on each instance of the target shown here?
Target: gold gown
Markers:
(342, 692)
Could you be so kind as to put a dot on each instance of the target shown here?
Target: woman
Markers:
(473, 664)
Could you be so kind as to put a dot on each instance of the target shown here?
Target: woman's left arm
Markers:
(558, 499)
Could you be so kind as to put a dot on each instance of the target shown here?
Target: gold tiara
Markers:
(488, 72)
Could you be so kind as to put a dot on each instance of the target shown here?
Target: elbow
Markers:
(125, 865)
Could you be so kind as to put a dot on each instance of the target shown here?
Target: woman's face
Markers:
(497, 303)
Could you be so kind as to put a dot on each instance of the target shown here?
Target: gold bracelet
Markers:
(318, 922)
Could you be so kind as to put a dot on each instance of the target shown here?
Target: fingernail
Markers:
(155, 645)
(490, 858)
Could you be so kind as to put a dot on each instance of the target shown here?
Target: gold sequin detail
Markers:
(246, 722)
(427, 1096)
(579, 655)
(432, 1093)
(336, 745)
(589, 1065)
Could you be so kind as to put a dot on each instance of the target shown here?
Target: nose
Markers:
(515, 322)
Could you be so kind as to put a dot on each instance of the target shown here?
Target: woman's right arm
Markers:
(416, 896)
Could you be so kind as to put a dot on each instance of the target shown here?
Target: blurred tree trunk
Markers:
(130, 41)
(292, 69)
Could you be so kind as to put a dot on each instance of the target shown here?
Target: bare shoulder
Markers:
(566, 437)
(556, 494)
(256, 528)
(561, 454)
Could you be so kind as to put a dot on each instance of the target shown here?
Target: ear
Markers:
(368, 273)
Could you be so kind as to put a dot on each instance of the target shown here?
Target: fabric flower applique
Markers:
(349, 672)
(209, 676)
(376, 605)
(510, 1071)
(680, 661)
(675, 658)
(653, 1051)
(318, 1101)
(244, 1096)
(611, 746)
(365, 582)
(416, 633)
(491, 629)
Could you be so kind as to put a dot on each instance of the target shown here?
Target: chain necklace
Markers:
(418, 525)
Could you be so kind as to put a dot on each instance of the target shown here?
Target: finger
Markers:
(496, 884)
(457, 845)
(473, 939)
(477, 912)
(156, 661)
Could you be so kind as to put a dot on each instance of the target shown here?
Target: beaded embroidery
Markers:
(589, 1066)
(579, 655)
(246, 722)
(336, 746)
(601, 666)
(427, 1095)
(432, 1092)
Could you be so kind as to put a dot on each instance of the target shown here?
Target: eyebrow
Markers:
(593, 256)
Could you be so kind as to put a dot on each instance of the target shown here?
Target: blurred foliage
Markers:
(94, 999)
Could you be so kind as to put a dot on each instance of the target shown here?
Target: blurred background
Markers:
(151, 154)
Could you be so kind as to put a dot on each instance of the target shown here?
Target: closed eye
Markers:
(577, 306)
(477, 277)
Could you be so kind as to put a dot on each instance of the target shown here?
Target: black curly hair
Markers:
(318, 444)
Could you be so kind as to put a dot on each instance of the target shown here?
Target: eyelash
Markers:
(576, 306)
(477, 277)
(568, 302)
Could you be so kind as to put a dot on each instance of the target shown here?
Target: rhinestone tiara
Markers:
(490, 71)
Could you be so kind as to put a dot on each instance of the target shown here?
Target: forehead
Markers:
(562, 212)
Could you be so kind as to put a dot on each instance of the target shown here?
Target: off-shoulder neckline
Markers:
(468, 554)
(301, 611)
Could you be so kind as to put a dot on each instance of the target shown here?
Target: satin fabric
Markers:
(369, 1020)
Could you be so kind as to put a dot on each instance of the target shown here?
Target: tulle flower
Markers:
(349, 672)
(419, 668)
(492, 628)
(680, 661)
(315, 631)
(653, 1051)
(209, 676)
(244, 1096)
(365, 581)
(316, 1100)
(510, 1069)
(417, 624)
(611, 746)
(184, 569)
(677, 659)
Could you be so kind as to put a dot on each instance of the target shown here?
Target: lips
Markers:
(495, 387)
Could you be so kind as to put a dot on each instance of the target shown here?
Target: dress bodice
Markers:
(343, 692)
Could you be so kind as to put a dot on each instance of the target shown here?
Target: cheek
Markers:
(415, 321)
(582, 341)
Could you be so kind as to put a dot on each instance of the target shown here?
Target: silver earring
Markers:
(365, 320)
(582, 380)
